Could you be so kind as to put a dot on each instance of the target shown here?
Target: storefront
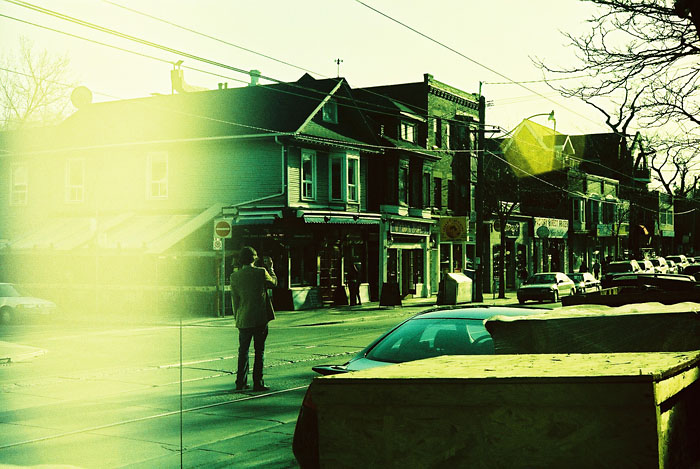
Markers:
(518, 253)
(455, 239)
(312, 252)
(404, 254)
(550, 249)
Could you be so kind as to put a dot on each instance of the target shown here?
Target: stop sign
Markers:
(222, 229)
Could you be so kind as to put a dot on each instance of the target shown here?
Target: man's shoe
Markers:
(241, 387)
(261, 387)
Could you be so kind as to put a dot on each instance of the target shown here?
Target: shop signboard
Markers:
(454, 229)
(551, 227)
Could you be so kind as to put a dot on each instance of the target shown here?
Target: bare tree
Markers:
(674, 164)
(35, 87)
(641, 59)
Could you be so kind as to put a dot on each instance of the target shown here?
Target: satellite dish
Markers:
(81, 97)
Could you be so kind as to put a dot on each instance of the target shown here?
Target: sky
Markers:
(467, 44)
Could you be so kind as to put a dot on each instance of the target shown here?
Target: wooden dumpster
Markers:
(643, 327)
(617, 410)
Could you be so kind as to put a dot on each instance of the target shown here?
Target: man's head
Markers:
(247, 255)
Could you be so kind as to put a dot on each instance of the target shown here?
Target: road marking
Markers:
(150, 417)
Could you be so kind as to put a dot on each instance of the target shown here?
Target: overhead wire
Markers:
(103, 29)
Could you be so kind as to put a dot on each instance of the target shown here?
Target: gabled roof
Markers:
(253, 111)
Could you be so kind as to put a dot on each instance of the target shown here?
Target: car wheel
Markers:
(555, 296)
(6, 315)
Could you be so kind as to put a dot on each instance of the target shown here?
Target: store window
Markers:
(304, 263)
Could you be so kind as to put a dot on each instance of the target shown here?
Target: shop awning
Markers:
(150, 234)
(341, 220)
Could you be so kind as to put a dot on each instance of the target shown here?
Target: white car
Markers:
(546, 286)
(647, 266)
(680, 260)
(15, 306)
(660, 265)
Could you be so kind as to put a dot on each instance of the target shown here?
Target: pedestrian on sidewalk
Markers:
(252, 310)
(354, 285)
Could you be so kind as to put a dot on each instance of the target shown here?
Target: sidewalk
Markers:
(12, 352)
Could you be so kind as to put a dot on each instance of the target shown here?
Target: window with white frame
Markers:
(336, 176)
(157, 175)
(665, 216)
(308, 175)
(19, 184)
(344, 177)
(330, 111)
(579, 214)
(75, 180)
(408, 132)
(353, 178)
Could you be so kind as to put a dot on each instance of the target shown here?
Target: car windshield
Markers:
(8, 290)
(542, 278)
(576, 277)
(424, 338)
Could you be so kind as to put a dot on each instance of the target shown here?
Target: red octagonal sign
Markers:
(222, 228)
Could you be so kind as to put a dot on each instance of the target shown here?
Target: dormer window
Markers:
(408, 132)
(330, 112)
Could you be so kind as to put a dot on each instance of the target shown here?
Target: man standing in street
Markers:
(252, 310)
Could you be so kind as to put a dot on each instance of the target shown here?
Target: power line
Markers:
(184, 28)
(168, 49)
(451, 49)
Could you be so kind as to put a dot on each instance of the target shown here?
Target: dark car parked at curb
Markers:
(614, 268)
(642, 282)
(436, 331)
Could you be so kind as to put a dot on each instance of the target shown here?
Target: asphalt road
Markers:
(109, 394)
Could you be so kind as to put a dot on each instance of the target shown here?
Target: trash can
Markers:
(455, 288)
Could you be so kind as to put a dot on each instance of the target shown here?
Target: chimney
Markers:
(254, 77)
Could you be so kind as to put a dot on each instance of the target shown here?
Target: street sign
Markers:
(222, 228)
(218, 244)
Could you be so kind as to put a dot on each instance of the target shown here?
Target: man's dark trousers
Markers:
(258, 335)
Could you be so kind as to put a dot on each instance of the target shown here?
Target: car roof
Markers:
(476, 312)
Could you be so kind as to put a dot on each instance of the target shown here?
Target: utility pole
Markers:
(480, 240)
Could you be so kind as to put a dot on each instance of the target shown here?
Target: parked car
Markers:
(660, 265)
(438, 331)
(680, 260)
(618, 267)
(646, 265)
(672, 267)
(694, 270)
(546, 286)
(14, 306)
(643, 282)
(585, 282)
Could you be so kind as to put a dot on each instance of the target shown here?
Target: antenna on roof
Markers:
(338, 62)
